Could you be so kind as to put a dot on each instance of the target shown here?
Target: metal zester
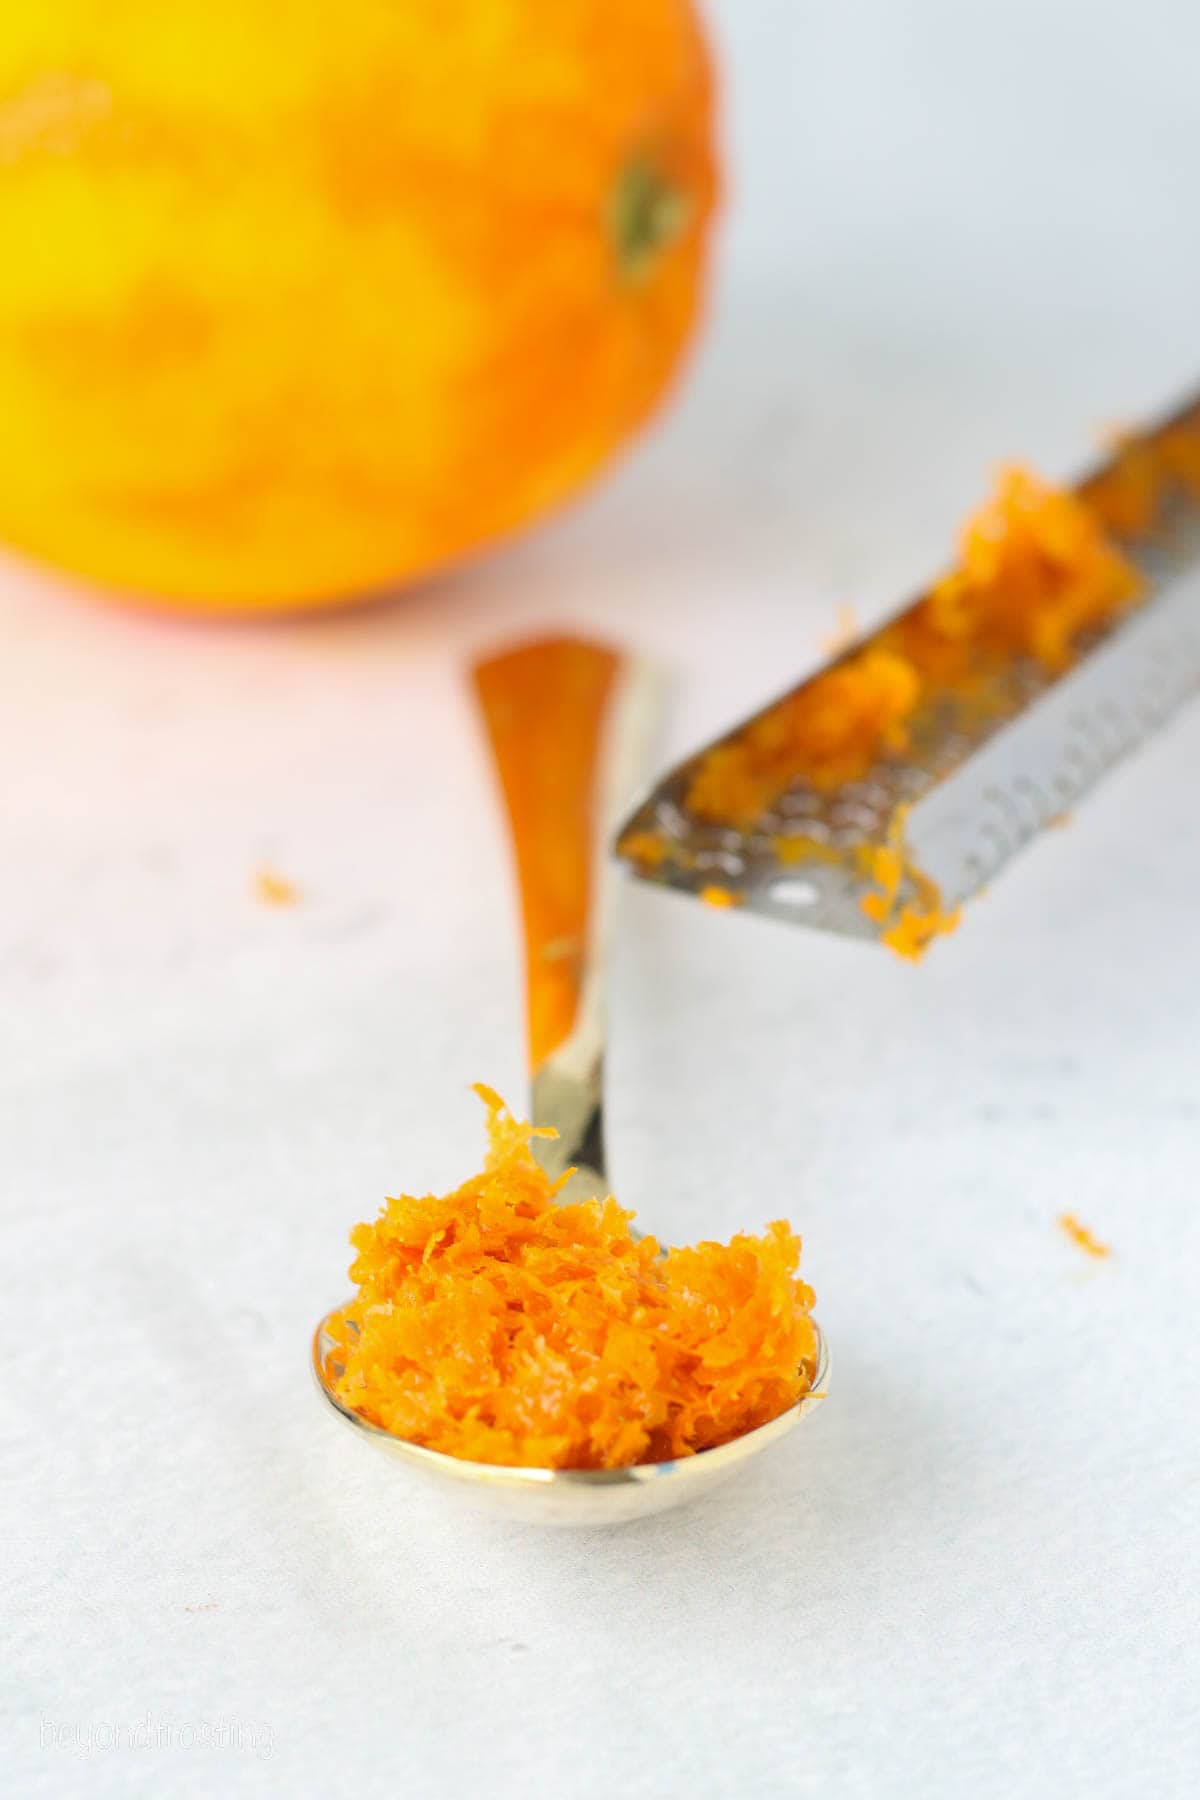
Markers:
(974, 790)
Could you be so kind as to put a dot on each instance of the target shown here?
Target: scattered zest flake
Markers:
(274, 889)
(905, 902)
(646, 848)
(1079, 1234)
(720, 897)
(496, 1325)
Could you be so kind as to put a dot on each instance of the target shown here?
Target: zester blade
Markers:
(970, 790)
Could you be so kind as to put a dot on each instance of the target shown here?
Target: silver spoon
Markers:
(567, 724)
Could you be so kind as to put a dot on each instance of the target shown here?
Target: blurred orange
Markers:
(304, 300)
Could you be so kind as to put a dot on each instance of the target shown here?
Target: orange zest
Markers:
(1129, 495)
(274, 889)
(827, 733)
(496, 1325)
(905, 902)
(644, 847)
(1079, 1234)
(1035, 573)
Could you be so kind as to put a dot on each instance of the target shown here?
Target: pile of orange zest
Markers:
(829, 732)
(1127, 496)
(1035, 572)
(274, 889)
(1079, 1234)
(1179, 456)
(909, 924)
(1130, 494)
(496, 1325)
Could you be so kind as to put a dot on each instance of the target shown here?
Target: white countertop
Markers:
(975, 1573)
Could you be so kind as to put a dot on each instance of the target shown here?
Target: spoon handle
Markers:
(567, 722)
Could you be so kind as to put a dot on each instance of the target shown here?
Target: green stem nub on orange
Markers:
(646, 214)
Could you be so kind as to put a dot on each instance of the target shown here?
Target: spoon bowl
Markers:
(571, 1496)
(567, 725)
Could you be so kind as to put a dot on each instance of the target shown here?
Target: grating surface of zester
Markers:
(975, 783)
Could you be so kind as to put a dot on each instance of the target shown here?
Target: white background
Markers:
(956, 233)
